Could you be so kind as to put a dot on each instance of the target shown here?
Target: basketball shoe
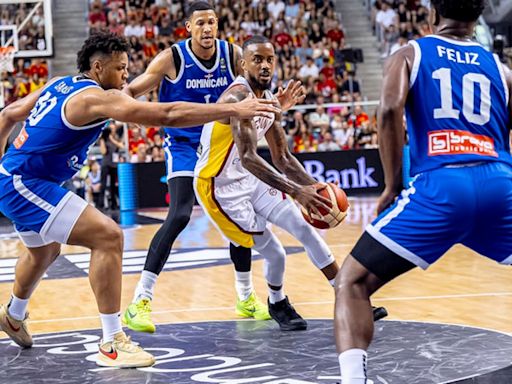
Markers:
(252, 307)
(17, 330)
(137, 317)
(286, 316)
(123, 353)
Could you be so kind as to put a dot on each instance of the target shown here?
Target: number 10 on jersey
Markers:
(469, 80)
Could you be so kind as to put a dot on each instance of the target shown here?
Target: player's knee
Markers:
(180, 219)
(303, 231)
(112, 236)
(353, 282)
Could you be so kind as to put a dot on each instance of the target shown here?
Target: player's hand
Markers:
(386, 199)
(251, 107)
(308, 197)
(293, 94)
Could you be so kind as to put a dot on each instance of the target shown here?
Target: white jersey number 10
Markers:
(447, 110)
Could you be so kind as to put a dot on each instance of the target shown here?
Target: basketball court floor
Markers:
(450, 324)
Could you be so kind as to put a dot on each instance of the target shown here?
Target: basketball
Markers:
(333, 217)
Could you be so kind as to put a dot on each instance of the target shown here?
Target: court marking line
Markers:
(210, 309)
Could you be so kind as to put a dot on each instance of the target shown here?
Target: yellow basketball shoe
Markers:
(137, 317)
(252, 307)
(123, 353)
(17, 330)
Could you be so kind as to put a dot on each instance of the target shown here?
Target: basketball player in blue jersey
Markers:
(457, 98)
(198, 69)
(62, 120)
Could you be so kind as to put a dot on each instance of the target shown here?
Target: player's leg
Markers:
(30, 268)
(287, 216)
(138, 315)
(274, 264)
(404, 236)
(104, 238)
(248, 303)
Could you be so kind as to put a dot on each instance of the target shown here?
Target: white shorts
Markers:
(238, 208)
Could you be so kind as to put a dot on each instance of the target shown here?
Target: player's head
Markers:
(258, 61)
(466, 11)
(202, 23)
(104, 57)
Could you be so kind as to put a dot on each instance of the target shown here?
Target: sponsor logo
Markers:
(112, 354)
(207, 83)
(360, 177)
(459, 143)
(223, 65)
(189, 65)
(21, 139)
(63, 88)
(15, 329)
(272, 192)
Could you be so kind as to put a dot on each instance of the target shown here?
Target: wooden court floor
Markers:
(462, 288)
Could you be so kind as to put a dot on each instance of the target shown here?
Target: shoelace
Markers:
(144, 307)
(126, 344)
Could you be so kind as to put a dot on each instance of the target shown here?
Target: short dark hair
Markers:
(104, 43)
(459, 10)
(256, 39)
(198, 6)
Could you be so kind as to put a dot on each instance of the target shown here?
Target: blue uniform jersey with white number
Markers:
(457, 109)
(49, 147)
(197, 84)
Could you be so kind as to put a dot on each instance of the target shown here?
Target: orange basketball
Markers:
(333, 217)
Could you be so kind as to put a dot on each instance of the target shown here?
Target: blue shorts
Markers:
(470, 205)
(180, 156)
(42, 211)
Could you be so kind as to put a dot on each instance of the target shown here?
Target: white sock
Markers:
(111, 324)
(332, 282)
(17, 307)
(145, 286)
(243, 285)
(275, 296)
(353, 366)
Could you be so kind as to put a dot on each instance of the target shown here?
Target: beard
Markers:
(259, 85)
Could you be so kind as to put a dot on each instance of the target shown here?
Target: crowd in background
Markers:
(29, 74)
(310, 45)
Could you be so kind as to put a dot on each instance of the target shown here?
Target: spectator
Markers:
(328, 144)
(308, 70)
(93, 185)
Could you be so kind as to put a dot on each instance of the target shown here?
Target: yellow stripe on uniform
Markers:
(221, 142)
(205, 195)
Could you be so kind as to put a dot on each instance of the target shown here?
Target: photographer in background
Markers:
(110, 145)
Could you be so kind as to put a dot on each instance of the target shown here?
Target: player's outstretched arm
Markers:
(395, 88)
(95, 103)
(160, 66)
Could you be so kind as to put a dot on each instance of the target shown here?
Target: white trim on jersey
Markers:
(33, 239)
(400, 206)
(198, 63)
(4, 171)
(501, 69)
(228, 59)
(416, 64)
(456, 42)
(179, 75)
(396, 248)
(31, 196)
(507, 261)
(63, 116)
(180, 174)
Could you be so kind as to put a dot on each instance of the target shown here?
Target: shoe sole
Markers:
(136, 329)
(286, 328)
(112, 364)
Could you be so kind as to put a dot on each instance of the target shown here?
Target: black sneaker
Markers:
(286, 317)
(379, 313)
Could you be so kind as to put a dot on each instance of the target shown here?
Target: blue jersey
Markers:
(49, 147)
(197, 84)
(457, 109)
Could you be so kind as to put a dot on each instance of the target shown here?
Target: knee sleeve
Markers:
(288, 217)
(241, 258)
(274, 257)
